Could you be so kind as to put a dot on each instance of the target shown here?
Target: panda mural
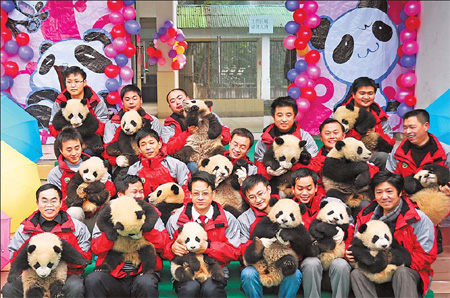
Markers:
(362, 42)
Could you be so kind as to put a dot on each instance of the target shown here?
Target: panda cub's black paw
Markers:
(288, 265)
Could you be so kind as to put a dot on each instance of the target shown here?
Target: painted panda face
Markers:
(44, 253)
(426, 178)
(286, 213)
(75, 112)
(131, 122)
(192, 236)
(376, 236)
(92, 169)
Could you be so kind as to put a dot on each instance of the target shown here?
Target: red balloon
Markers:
(22, 39)
(172, 32)
(130, 50)
(158, 53)
(6, 34)
(115, 5)
(151, 51)
(112, 71)
(304, 32)
(175, 65)
(412, 23)
(399, 81)
(309, 93)
(113, 97)
(118, 31)
(183, 44)
(290, 86)
(300, 43)
(300, 15)
(312, 57)
(400, 51)
(4, 17)
(11, 68)
(410, 100)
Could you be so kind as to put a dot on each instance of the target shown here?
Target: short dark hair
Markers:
(122, 183)
(203, 176)
(47, 186)
(142, 133)
(68, 133)
(363, 82)
(252, 180)
(128, 88)
(422, 115)
(328, 121)
(74, 70)
(176, 89)
(395, 180)
(243, 132)
(304, 172)
(285, 101)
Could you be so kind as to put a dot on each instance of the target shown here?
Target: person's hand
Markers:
(242, 174)
(203, 247)
(339, 236)
(104, 178)
(192, 129)
(179, 249)
(445, 189)
(219, 179)
(349, 256)
(278, 172)
(268, 241)
(122, 161)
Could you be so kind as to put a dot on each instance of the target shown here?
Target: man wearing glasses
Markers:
(220, 225)
(76, 87)
(256, 189)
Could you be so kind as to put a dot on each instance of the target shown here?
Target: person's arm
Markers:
(181, 173)
(245, 222)
(110, 132)
(56, 107)
(135, 168)
(391, 163)
(156, 126)
(174, 138)
(54, 176)
(100, 243)
(17, 242)
(424, 251)
(83, 236)
(101, 111)
(387, 129)
(311, 145)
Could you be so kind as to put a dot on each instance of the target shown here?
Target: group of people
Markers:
(228, 236)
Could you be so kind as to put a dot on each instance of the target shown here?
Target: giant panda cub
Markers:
(76, 113)
(285, 152)
(193, 266)
(207, 141)
(167, 197)
(42, 261)
(332, 219)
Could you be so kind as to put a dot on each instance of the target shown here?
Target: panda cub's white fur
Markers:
(72, 111)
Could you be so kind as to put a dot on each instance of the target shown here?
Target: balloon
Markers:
(168, 24)
(172, 53)
(289, 41)
(161, 61)
(412, 23)
(2, 70)
(389, 92)
(171, 42)
(113, 97)
(4, 83)
(175, 65)
(128, 2)
(180, 50)
(121, 59)
(126, 73)
(22, 39)
(312, 57)
(10, 81)
(162, 30)
(132, 27)
(402, 109)
(292, 5)
(403, 15)
(409, 79)
(300, 44)
(150, 51)
(183, 44)
(25, 53)
(158, 53)
(180, 37)
(313, 72)
(8, 6)
(11, 68)
(4, 17)
(115, 17)
(303, 105)
(407, 35)
(118, 31)
(292, 74)
(163, 38)
(119, 44)
(112, 84)
(304, 32)
(111, 71)
(156, 35)
(302, 53)
(2, 42)
(291, 27)
(152, 60)
(11, 47)
(4, 56)
(172, 32)
(110, 52)
(290, 86)
(410, 47)
(400, 51)
(129, 13)
(300, 15)
(294, 92)
(312, 21)
(402, 94)
(399, 81)
(6, 34)
(408, 60)
(412, 8)
(115, 5)
(181, 58)
(410, 100)
(301, 65)
(309, 93)
(310, 7)
(130, 50)
(301, 81)
(310, 83)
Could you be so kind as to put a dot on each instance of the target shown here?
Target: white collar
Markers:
(196, 215)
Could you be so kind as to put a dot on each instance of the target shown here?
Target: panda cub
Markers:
(377, 253)
(76, 113)
(227, 185)
(207, 141)
(167, 197)
(42, 261)
(285, 152)
(193, 266)
(332, 219)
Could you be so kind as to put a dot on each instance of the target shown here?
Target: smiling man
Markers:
(241, 142)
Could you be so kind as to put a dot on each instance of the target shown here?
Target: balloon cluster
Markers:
(175, 39)
(306, 71)
(121, 49)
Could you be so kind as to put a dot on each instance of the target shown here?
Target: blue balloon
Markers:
(8, 5)
(10, 80)
(292, 74)
(128, 3)
(301, 65)
(162, 30)
(291, 27)
(403, 15)
(121, 60)
(402, 109)
(408, 60)
(26, 53)
(401, 26)
(4, 83)
(112, 84)
(132, 27)
(168, 24)
(292, 5)
(11, 47)
(156, 35)
(7, 94)
(294, 92)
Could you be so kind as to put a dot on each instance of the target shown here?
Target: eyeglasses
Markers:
(197, 195)
(261, 194)
(74, 82)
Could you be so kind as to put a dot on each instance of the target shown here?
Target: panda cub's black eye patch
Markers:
(387, 237)
(86, 171)
(342, 217)
(282, 158)
(159, 193)
(293, 160)
(80, 115)
(360, 150)
(70, 116)
(279, 214)
(344, 121)
(50, 265)
(375, 239)
(95, 174)
(227, 169)
(197, 239)
(331, 212)
(133, 123)
(37, 265)
(187, 240)
(216, 168)
(292, 216)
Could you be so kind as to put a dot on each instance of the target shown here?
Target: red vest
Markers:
(153, 173)
(67, 174)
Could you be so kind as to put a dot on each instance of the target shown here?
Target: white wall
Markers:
(433, 58)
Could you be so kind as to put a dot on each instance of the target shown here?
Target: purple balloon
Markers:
(180, 37)
(313, 72)
(115, 17)
(11, 80)
(294, 92)
(152, 60)
(11, 47)
(8, 5)
(129, 13)
(408, 60)
(112, 84)
(402, 109)
(291, 5)
(128, 2)
(132, 27)
(126, 73)
(292, 74)
(119, 44)
(121, 60)
(168, 24)
(172, 53)
(401, 26)
(4, 83)
(162, 30)
(156, 35)
(303, 105)
(26, 53)
(403, 15)
(301, 81)
(110, 52)
(291, 27)
(301, 65)
(7, 94)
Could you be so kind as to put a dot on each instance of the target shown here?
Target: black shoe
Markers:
(440, 248)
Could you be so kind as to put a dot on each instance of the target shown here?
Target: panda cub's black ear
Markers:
(209, 103)
(279, 141)
(31, 248)
(339, 145)
(362, 228)
(84, 101)
(272, 201)
(63, 104)
(205, 162)
(302, 208)
(350, 106)
(302, 144)
(180, 229)
(323, 203)
(349, 212)
(175, 189)
(57, 249)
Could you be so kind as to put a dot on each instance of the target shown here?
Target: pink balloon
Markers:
(310, 83)
(412, 8)
(171, 41)
(126, 73)
(119, 44)
(407, 35)
(116, 17)
(3, 70)
(129, 12)
(163, 38)
(299, 116)
(310, 7)
(312, 21)
(289, 42)
(410, 47)
(301, 81)
(110, 52)
(409, 79)
(181, 58)
(303, 105)
(3, 42)
(3, 56)
(161, 61)
(402, 94)
(389, 92)
(313, 72)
